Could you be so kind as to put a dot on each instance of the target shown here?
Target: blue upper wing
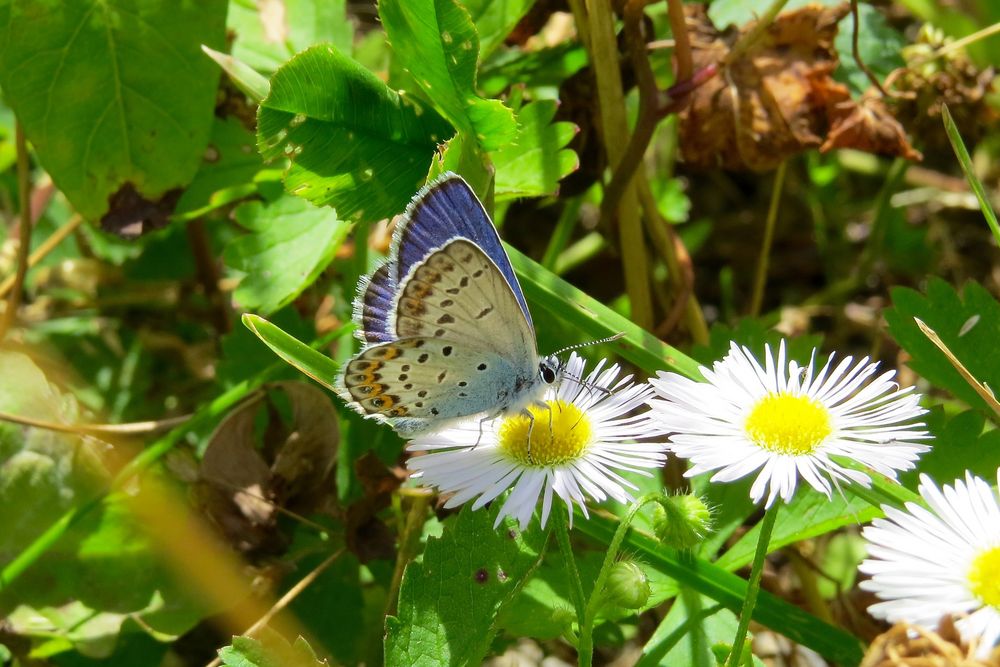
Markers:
(443, 210)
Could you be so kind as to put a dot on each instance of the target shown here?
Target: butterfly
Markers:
(445, 324)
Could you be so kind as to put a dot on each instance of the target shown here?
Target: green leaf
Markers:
(970, 174)
(227, 173)
(494, 20)
(290, 242)
(351, 142)
(968, 325)
(247, 79)
(113, 96)
(302, 23)
(724, 13)
(449, 600)
(534, 163)
(959, 444)
(315, 364)
(437, 44)
(879, 46)
(687, 633)
(270, 650)
(809, 515)
(839, 565)
(545, 68)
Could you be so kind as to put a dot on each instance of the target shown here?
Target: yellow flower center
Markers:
(786, 424)
(984, 577)
(559, 432)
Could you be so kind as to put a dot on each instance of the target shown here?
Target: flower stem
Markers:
(586, 644)
(753, 586)
(575, 585)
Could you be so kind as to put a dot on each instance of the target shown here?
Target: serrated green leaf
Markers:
(534, 163)
(302, 24)
(315, 364)
(968, 324)
(959, 444)
(110, 93)
(289, 243)
(544, 68)
(449, 600)
(352, 143)
(270, 650)
(438, 45)
(494, 20)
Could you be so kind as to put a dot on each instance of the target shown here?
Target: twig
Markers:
(287, 598)
(611, 102)
(133, 428)
(24, 231)
(857, 54)
(682, 45)
(44, 249)
(760, 280)
(984, 391)
(958, 44)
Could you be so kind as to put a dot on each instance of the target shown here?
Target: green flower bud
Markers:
(627, 585)
(682, 522)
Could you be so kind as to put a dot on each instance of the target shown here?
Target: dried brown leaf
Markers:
(868, 126)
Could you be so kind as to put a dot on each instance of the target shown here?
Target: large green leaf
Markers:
(494, 20)
(289, 244)
(688, 632)
(534, 163)
(968, 324)
(351, 142)
(449, 600)
(437, 44)
(115, 95)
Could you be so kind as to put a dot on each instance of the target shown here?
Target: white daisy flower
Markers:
(579, 441)
(786, 421)
(945, 560)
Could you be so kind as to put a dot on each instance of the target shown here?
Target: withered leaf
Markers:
(868, 126)
(776, 98)
(241, 486)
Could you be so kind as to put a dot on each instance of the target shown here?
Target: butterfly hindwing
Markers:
(418, 383)
(458, 293)
(373, 304)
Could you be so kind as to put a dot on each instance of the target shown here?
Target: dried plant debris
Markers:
(241, 485)
(906, 645)
(776, 97)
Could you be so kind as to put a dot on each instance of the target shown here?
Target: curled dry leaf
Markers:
(777, 98)
(240, 484)
(904, 645)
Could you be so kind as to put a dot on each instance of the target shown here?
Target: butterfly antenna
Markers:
(578, 346)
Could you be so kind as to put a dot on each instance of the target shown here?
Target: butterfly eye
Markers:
(548, 373)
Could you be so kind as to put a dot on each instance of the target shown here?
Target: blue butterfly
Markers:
(446, 326)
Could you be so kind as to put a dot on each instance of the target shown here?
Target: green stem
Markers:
(561, 530)
(753, 585)
(206, 415)
(760, 281)
(586, 644)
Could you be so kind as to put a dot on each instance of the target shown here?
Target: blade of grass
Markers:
(729, 590)
(547, 291)
(963, 159)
